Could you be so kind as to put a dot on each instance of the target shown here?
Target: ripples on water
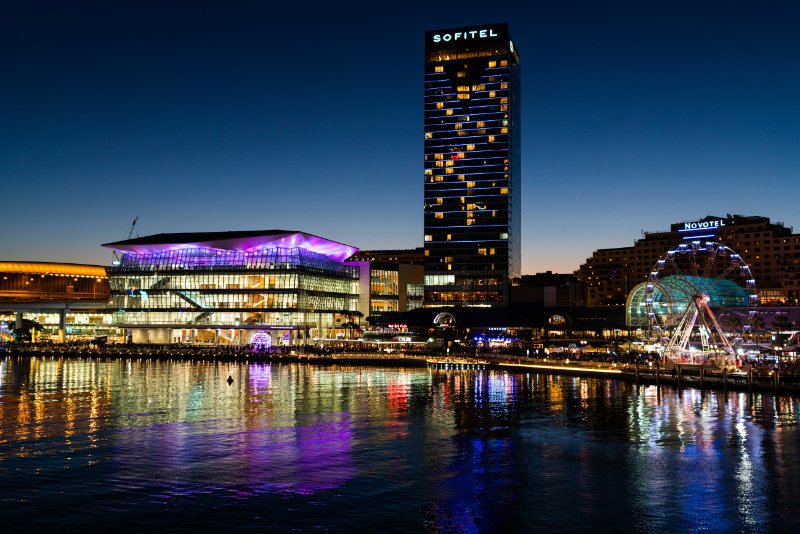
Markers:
(144, 444)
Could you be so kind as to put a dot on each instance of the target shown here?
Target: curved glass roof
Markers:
(672, 294)
(241, 241)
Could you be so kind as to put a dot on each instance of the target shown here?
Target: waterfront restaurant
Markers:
(276, 287)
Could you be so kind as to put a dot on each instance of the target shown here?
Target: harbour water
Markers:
(153, 444)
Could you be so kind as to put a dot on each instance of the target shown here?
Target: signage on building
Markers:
(712, 224)
(464, 35)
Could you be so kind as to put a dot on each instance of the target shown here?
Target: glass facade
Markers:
(471, 166)
(383, 289)
(671, 296)
(195, 287)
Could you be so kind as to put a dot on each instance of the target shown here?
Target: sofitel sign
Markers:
(466, 34)
(703, 225)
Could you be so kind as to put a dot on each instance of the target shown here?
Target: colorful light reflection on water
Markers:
(287, 446)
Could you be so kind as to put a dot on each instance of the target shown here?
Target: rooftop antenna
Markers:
(116, 261)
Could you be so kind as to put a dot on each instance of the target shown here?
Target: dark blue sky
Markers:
(205, 116)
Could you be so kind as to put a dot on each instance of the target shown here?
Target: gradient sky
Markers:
(225, 115)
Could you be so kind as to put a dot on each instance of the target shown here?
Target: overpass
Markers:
(46, 287)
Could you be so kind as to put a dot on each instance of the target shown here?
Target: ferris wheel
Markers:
(699, 302)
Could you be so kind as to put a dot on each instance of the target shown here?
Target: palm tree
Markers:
(351, 323)
(757, 326)
(781, 323)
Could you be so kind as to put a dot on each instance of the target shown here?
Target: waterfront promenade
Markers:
(644, 369)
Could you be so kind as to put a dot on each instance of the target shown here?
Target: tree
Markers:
(24, 334)
(757, 326)
(781, 323)
(351, 323)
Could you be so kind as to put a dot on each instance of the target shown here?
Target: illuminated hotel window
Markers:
(504, 100)
(440, 163)
(503, 235)
(449, 266)
(504, 63)
(463, 96)
(449, 112)
(491, 252)
(457, 126)
(492, 94)
(504, 85)
(461, 74)
(438, 156)
(470, 147)
(492, 64)
(427, 252)
(439, 200)
(439, 68)
(449, 163)
(470, 222)
(504, 130)
(448, 259)
(491, 139)
(450, 170)
(503, 190)
(482, 251)
(462, 88)
(449, 237)
(481, 124)
(470, 184)
(439, 215)
(461, 177)
(428, 135)
(439, 179)
(428, 237)
(439, 105)
(428, 172)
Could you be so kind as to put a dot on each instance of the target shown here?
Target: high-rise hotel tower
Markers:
(472, 166)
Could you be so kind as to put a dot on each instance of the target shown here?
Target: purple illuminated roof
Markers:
(245, 241)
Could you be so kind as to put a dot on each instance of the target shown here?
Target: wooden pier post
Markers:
(724, 378)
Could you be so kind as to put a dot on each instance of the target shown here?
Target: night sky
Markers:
(214, 116)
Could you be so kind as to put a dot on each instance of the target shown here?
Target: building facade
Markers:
(471, 166)
(286, 287)
(67, 300)
(771, 250)
(390, 280)
(549, 290)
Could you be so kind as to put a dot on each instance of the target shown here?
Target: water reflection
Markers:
(430, 449)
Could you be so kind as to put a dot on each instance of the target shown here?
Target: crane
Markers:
(117, 259)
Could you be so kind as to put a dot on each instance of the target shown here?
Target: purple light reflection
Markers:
(251, 242)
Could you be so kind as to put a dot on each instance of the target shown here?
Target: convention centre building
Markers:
(277, 287)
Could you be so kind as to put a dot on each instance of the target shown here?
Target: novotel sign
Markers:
(464, 35)
(702, 225)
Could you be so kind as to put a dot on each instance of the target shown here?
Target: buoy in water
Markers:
(230, 379)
